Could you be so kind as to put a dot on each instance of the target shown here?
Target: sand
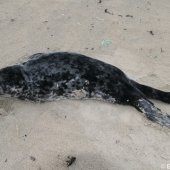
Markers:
(133, 35)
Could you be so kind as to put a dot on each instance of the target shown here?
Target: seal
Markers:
(63, 75)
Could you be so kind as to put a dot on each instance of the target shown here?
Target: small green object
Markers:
(106, 42)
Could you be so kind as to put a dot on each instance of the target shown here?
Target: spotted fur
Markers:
(46, 77)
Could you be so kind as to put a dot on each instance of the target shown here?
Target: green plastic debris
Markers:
(106, 42)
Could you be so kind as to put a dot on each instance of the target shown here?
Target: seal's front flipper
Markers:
(151, 112)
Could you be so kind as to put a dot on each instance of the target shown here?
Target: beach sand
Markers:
(133, 35)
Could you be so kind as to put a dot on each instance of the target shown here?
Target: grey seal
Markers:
(63, 75)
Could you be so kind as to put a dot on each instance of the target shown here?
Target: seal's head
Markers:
(11, 79)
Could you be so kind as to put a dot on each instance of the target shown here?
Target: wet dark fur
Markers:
(67, 75)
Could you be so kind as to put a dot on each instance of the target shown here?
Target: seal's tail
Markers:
(153, 93)
(151, 112)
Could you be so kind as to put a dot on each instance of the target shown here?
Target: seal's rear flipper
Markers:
(153, 93)
(152, 113)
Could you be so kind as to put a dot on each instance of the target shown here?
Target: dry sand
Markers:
(102, 136)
